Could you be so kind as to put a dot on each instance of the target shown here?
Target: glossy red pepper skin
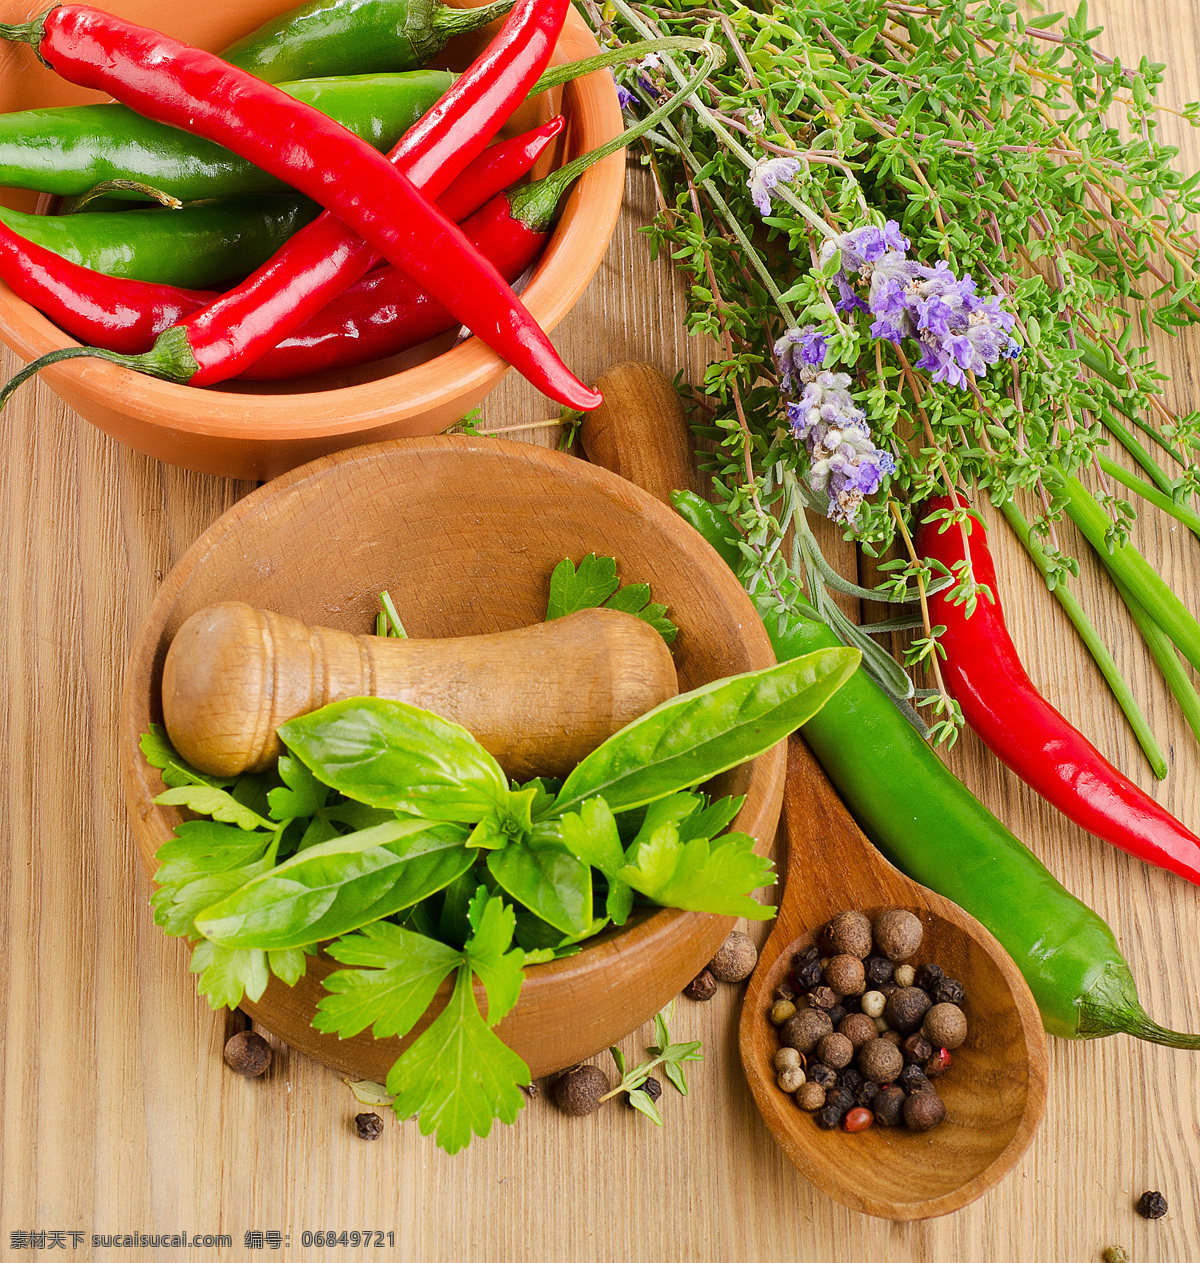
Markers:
(126, 316)
(999, 701)
(187, 87)
(385, 312)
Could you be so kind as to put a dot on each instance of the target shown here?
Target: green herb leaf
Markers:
(201, 848)
(301, 794)
(204, 800)
(541, 873)
(488, 950)
(640, 1100)
(389, 754)
(339, 885)
(595, 585)
(699, 734)
(160, 753)
(591, 836)
(226, 974)
(700, 875)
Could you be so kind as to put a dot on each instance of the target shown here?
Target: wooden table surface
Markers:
(119, 1116)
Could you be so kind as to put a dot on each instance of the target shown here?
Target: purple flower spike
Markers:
(767, 174)
(800, 352)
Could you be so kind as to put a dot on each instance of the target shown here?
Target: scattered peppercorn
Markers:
(1152, 1205)
(806, 974)
(835, 1050)
(888, 1106)
(368, 1126)
(781, 1010)
(897, 933)
(923, 1111)
(802, 1031)
(787, 1057)
(948, 991)
(905, 1009)
(811, 952)
(820, 1073)
(247, 1054)
(881, 1026)
(811, 1096)
(735, 958)
(822, 997)
(878, 969)
(873, 1003)
(789, 1080)
(849, 933)
(578, 1092)
(1116, 1254)
(653, 1089)
(702, 987)
(939, 1063)
(866, 1092)
(845, 975)
(857, 1028)
(858, 1119)
(828, 1117)
(916, 1048)
(945, 1026)
(880, 1061)
(904, 976)
(913, 1079)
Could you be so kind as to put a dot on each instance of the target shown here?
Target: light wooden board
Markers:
(118, 1115)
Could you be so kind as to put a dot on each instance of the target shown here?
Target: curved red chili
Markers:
(999, 701)
(173, 83)
(126, 316)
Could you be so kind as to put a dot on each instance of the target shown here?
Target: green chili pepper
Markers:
(71, 149)
(930, 826)
(198, 247)
(332, 37)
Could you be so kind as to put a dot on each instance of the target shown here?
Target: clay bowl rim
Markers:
(150, 822)
(568, 264)
(786, 1121)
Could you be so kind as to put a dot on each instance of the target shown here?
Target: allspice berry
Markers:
(835, 1050)
(923, 1111)
(945, 1026)
(845, 975)
(888, 1106)
(858, 1028)
(849, 934)
(735, 958)
(247, 1054)
(880, 1061)
(802, 1031)
(897, 933)
(905, 1010)
(368, 1126)
(811, 1097)
(578, 1092)
(702, 987)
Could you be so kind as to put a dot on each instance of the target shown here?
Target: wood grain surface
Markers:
(119, 1116)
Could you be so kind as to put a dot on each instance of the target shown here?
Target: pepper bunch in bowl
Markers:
(363, 257)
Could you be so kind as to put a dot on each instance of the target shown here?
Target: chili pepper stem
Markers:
(448, 21)
(71, 205)
(24, 32)
(1111, 1004)
(170, 359)
(558, 75)
(536, 205)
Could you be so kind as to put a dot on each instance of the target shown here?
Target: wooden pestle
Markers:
(538, 698)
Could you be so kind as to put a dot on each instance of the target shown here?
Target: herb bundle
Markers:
(393, 839)
(928, 240)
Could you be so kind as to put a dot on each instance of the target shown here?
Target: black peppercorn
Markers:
(784, 992)
(1152, 1205)
(806, 974)
(652, 1088)
(948, 991)
(368, 1126)
(811, 952)
(840, 1098)
(836, 1014)
(822, 1074)
(850, 1078)
(913, 1079)
(889, 1106)
(866, 1093)
(886, 988)
(852, 1003)
(878, 969)
(916, 1048)
(702, 987)
(928, 976)
(828, 1117)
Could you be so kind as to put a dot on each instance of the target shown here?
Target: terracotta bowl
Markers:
(465, 532)
(258, 430)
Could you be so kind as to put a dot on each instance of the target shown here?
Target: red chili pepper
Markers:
(1022, 729)
(186, 87)
(126, 316)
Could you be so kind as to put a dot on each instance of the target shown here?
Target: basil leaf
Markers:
(339, 885)
(539, 872)
(390, 754)
(697, 735)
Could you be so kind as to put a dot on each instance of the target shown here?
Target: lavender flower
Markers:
(767, 173)
(625, 99)
(800, 352)
(845, 463)
(865, 245)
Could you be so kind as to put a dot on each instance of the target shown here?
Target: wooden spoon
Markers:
(995, 1089)
(538, 698)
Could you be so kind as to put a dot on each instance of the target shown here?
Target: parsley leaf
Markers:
(701, 875)
(594, 585)
(301, 794)
(206, 800)
(160, 753)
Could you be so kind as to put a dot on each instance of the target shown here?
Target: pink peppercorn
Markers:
(858, 1120)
